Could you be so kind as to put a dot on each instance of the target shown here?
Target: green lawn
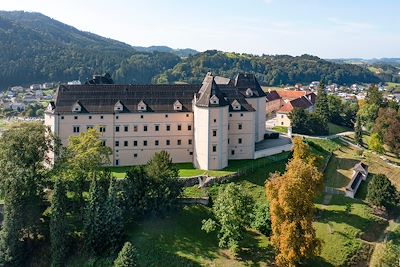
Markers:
(335, 129)
(280, 129)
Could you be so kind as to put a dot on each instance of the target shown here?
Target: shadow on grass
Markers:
(318, 262)
(254, 255)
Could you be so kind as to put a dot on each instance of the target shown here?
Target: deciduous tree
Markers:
(382, 193)
(375, 143)
(127, 256)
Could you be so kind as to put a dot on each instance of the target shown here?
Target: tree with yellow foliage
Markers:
(291, 197)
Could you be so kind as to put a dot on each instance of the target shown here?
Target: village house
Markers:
(207, 124)
(280, 103)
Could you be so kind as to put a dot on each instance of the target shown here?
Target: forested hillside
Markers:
(35, 48)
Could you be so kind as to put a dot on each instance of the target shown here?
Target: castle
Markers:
(206, 124)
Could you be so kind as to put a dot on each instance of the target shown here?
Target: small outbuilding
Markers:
(360, 173)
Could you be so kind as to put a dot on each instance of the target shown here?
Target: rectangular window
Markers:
(134, 143)
(166, 115)
(101, 117)
(117, 162)
(168, 142)
(214, 132)
(168, 128)
(141, 116)
(189, 127)
(116, 143)
(281, 122)
(228, 141)
(240, 126)
(191, 153)
(76, 129)
(145, 128)
(102, 129)
(90, 117)
(281, 116)
(135, 155)
(89, 127)
(241, 114)
(156, 142)
(157, 128)
(179, 142)
(179, 127)
(190, 141)
(214, 148)
(125, 143)
(135, 128)
(233, 152)
(117, 128)
(126, 128)
(103, 142)
(187, 115)
(215, 120)
(230, 115)
(144, 143)
(240, 140)
(116, 117)
(62, 117)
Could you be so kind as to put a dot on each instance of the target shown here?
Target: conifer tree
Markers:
(127, 256)
(358, 131)
(321, 105)
(115, 221)
(58, 225)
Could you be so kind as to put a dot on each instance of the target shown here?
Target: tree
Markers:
(321, 104)
(387, 126)
(23, 155)
(262, 220)
(58, 225)
(382, 193)
(84, 155)
(161, 167)
(386, 255)
(358, 132)
(375, 143)
(127, 256)
(368, 114)
(292, 210)
(114, 219)
(304, 122)
(374, 96)
(232, 211)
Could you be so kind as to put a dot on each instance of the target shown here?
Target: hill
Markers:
(35, 48)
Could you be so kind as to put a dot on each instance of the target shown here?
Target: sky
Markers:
(325, 28)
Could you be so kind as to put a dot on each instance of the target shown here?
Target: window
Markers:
(157, 128)
(135, 128)
(76, 129)
(215, 120)
(240, 140)
(62, 117)
(116, 143)
(168, 142)
(281, 122)
(90, 117)
(190, 141)
(232, 152)
(229, 126)
(135, 155)
(134, 143)
(168, 128)
(166, 115)
(141, 116)
(187, 115)
(214, 148)
(191, 153)
(179, 142)
(126, 128)
(117, 162)
(240, 126)
(241, 114)
(125, 143)
(189, 127)
(117, 128)
(281, 116)
(75, 117)
(102, 129)
(179, 127)
(156, 142)
(101, 117)
(103, 142)
(230, 115)
(214, 132)
(116, 117)
(228, 141)
(145, 128)
(144, 143)
(89, 127)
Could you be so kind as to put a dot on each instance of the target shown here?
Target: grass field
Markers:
(393, 87)
(335, 129)
(280, 129)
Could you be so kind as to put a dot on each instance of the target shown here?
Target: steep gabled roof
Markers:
(272, 95)
(244, 81)
(208, 90)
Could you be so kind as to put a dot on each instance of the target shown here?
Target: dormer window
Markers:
(236, 105)
(142, 106)
(214, 100)
(76, 107)
(118, 107)
(249, 92)
(177, 105)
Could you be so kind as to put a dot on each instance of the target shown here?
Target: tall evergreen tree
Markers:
(115, 221)
(321, 105)
(127, 256)
(58, 225)
(358, 131)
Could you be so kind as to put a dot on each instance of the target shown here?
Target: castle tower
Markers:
(211, 111)
(255, 96)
